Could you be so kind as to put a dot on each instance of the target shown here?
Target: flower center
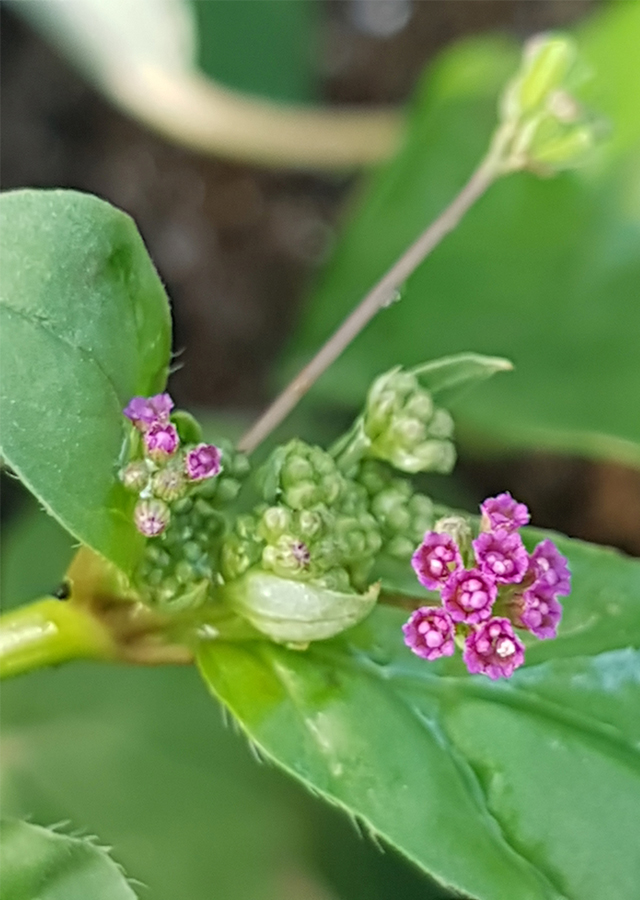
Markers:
(505, 648)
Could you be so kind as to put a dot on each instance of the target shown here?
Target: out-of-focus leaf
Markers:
(39, 864)
(264, 48)
(85, 325)
(447, 378)
(36, 553)
(530, 785)
(544, 272)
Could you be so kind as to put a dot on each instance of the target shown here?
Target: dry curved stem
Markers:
(142, 56)
(192, 110)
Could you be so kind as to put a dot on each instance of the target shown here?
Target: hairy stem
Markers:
(381, 294)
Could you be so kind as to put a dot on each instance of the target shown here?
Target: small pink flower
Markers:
(161, 440)
(540, 613)
(468, 595)
(435, 559)
(494, 649)
(151, 517)
(503, 512)
(501, 554)
(429, 633)
(549, 568)
(147, 411)
(202, 462)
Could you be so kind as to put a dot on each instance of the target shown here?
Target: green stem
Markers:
(49, 632)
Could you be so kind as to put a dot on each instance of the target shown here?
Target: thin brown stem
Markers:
(379, 296)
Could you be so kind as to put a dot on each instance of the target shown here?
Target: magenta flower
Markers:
(540, 613)
(550, 569)
(151, 517)
(429, 633)
(469, 595)
(503, 512)
(501, 554)
(202, 462)
(435, 559)
(161, 440)
(494, 649)
(147, 411)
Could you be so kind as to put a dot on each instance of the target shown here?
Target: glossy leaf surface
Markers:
(40, 864)
(533, 782)
(542, 271)
(85, 325)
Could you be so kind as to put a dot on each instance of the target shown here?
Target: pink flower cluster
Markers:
(505, 586)
(165, 472)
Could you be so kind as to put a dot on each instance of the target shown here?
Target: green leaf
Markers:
(40, 864)
(85, 325)
(264, 48)
(544, 272)
(533, 782)
(447, 378)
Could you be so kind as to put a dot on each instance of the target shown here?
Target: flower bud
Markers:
(135, 476)
(403, 427)
(169, 483)
(545, 65)
(276, 520)
(296, 612)
(151, 517)
(228, 490)
(202, 461)
(161, 441)
(550, 130)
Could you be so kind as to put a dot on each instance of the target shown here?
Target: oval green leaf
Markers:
(84, 326)
(40, 864)
(527, 788)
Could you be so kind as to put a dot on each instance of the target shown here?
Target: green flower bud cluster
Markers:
(180, 566)
(552, 131)
(403, 514)
(405, 428)
(314, 525)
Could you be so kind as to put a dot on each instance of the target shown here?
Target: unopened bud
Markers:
(546, 63)
(550, 129)
(169, 483)
(228, 490)
(276, 520)
(151, 517)
(408, 432)
(135, 476)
